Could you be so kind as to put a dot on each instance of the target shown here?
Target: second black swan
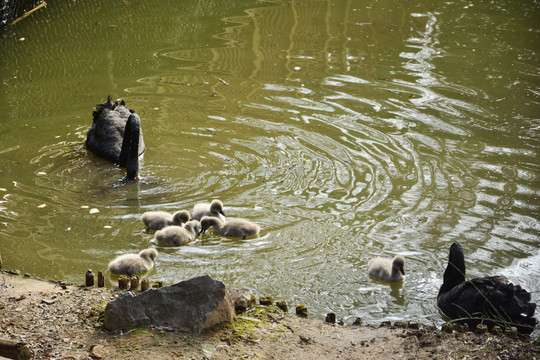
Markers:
(116, 135)
(490, 300)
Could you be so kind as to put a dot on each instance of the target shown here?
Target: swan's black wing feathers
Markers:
(105, 136)
(493, 298)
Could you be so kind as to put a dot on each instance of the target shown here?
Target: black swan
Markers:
(490, 300)
(387, 269)
(116, 135)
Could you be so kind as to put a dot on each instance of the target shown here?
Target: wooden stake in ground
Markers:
(100, 279)
(89, 278)
(145, 284)
(134, 283)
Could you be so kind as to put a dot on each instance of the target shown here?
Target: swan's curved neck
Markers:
(455, 270)
(129, 155)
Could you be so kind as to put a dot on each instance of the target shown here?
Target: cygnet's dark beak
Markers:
(402, 271)
(221, 212)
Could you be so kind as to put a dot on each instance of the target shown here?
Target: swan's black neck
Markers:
(129, 155)
(455, 270)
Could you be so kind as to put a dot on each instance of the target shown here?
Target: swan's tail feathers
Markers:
(99, 108)
(109, 104)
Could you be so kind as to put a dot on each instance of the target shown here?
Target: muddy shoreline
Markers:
(59, 321)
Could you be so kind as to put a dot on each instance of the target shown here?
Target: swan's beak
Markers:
(402, 271)
(221, 212)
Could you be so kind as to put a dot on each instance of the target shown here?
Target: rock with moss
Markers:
(242, 299)
(192, 306)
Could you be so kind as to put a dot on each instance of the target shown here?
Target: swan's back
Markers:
(105, 136)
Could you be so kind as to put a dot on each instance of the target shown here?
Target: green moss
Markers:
(247, 326)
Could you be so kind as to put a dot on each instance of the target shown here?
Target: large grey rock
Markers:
(192, 306)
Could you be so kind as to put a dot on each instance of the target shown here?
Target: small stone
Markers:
(447, 327)
(400, 324)
(413, 324)
(461, 328)
(266, 300)
(98, 351)
(511, 332)
(357, 322)
(385, 323)
(496, 330)
(241, 298)
(481, 329)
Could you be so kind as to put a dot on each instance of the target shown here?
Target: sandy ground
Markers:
(64, 322)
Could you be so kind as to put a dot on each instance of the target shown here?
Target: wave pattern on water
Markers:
(345, 132)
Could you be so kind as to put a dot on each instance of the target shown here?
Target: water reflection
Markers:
(346, 130)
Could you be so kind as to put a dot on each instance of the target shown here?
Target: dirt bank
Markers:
(64, 322)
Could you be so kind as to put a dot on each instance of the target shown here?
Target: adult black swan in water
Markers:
(116, 135)
(489, 300)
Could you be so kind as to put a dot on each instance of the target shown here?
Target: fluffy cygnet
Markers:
(232, 228)
(177, 235)
(132, 264)
(387, 269)
(157, 220)
(215, 209)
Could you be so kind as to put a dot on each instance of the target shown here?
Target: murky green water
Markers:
(346, 129)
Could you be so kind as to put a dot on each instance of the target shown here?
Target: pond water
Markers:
(346, 130)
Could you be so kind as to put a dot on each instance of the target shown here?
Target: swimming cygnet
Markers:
(232, 228)
(215, 209)
(132, 264)
(157, 220)
(177, 235)
(387, 269)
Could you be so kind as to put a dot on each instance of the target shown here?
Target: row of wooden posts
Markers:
(124, 282)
